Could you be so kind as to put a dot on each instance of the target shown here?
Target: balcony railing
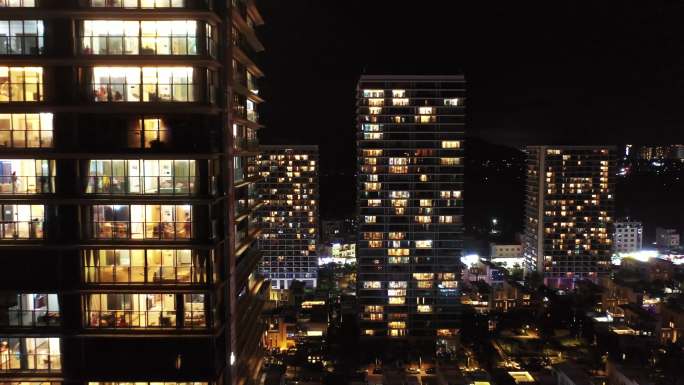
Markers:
(142, 230)
(26, 184)
(21, 229)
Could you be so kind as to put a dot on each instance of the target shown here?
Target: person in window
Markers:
(117, 96)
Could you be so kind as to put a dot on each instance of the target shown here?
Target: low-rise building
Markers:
(667, 238)
(627, 236)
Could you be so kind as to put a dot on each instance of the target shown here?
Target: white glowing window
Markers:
(372, 285)
(426, 110)
(375, 110)
(18, 3)
(425, 244)
(397, 284)
(452, 102)
(424, 308)
(146, 84)
(373, 93)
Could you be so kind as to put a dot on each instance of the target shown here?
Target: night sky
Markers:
(552, 72)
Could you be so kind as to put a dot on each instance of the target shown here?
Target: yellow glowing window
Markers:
(372, 285)
(424, 284)
(422, 276)
(398, 169)
(374, 244)
(398, 252)
(396, 235)
(376, 102)
(376, 316)
(146, 84)
(425, 119)
(374, 235)
(398, 93)
(400, 102)
(425, 202)
(450, 161)
(375, 110)
(373, 135)
(132, 37)
(21, 84)
(397, 332)
(374, 202)
(424, 308)
(396, 300)
(26, 130)
(396, 292)
(446, 219)
(372, 186)
(451, 144)
(399, 202)
(396, 325)
(423, 219)
(397, 284)
(368, 332)
(374, 309)
(450, 284)
(372, 152)
(399, 194)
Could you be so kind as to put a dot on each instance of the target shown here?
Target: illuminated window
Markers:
(368, 332)
(396, 292)
(400, 102)
(398, 260)
(424, 284)
(423, 219)
(398, 93)
(138, 3)
(371, 128)
(426, 244)
(370, 218)
(372, 285)
(34, 354)
(425, 203)
(30, 310)
(374, 309)
(375, 235)
(373, 93)
(372, 135)
(157, 266)
(21, 84)
(451, 144)
(397, 284)
(148, 133)
(446, 219)
(376, 102)
(395, 251)
(399, 202)
(398, 169)
(422, 276)
(452, 102)
(26, 130)
(17, 3)
(426, 110)
(22, 221)
(396, 325)
(424, 308)
(21, 37)
(142, 221)
(146, 84)
(126, 37)
(372, 186)
(396, 300)
(375, 110)
(26, 176)
(130, 311)
(399, 194)
(195, 311)
(131, 176)
(396, 236)
(450, 161)
(374, 244)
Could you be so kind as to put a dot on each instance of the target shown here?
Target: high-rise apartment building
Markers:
(127, 190)
(289, 214)
(410, 186)
(569, 212)
(628, 236)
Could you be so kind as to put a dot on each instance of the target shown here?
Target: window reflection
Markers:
(143, 84)
(142, 221)
(147, 176)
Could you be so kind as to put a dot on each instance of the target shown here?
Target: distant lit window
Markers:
(452, 102)
(451, 144)
(425, 244)
(32, 354)
(137, 3)
(372, 285)
(17, 3)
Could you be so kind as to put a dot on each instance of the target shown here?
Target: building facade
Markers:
(289, 215)
(628, 236)
(569, 212)
(410, 205)
(667, 238)
(127, 185)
